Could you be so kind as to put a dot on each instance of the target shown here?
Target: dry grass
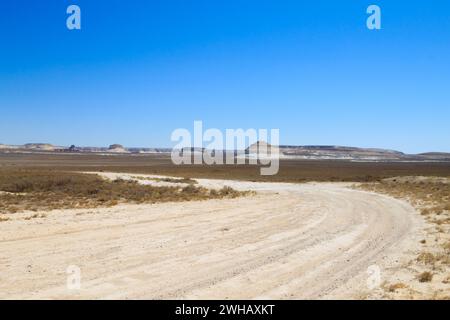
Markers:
(446, 247)
(425, 276)
(431, 197)
(46, 190)
(433, 259)
(396, 286)
(427, 258)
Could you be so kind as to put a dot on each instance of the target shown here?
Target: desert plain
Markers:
(146, 229)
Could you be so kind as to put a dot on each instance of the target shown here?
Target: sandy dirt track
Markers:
(288, 241)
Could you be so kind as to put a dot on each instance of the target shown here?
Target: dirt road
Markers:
(288, 241)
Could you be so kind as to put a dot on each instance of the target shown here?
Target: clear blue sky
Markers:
(139, 69)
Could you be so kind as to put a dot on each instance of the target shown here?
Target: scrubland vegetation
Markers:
(22, 189)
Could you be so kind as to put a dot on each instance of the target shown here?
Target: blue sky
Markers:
(137, 70)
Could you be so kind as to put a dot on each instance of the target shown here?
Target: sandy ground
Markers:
(289, 241)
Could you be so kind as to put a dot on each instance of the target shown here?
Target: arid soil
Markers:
(427, 274)
(290, 170)
(287, 241)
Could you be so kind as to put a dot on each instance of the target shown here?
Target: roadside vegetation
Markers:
(33, 190)
(431, 268)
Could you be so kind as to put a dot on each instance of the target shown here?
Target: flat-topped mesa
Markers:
(39, 146)
(117, 148)
(435, 155)
(262, 148)
(341, 152)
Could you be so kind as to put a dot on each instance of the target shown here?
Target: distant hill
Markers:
(39, 146)
(341, 152)
(435, 155)
(285, 151)
(117, 148)
(262, 148)
(6, 146)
